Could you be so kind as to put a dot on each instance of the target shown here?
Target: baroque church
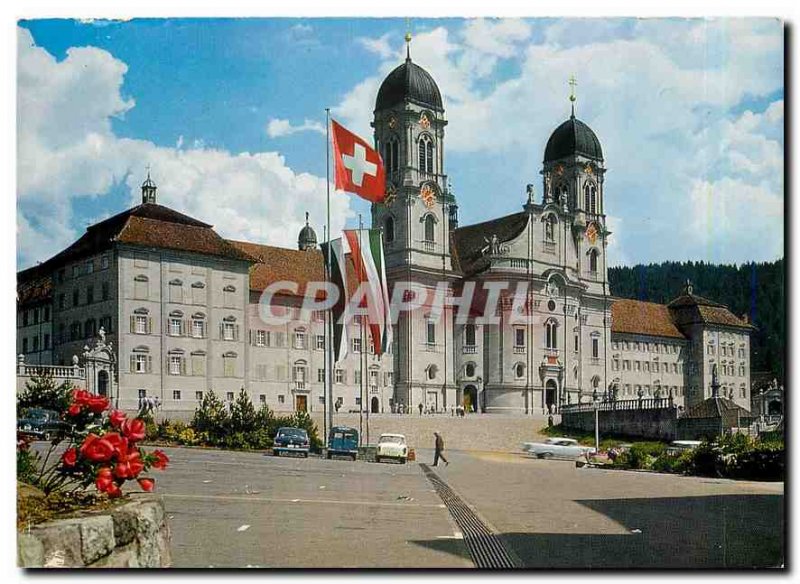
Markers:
(180, 304)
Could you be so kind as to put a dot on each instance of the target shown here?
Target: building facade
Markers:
(181, 304)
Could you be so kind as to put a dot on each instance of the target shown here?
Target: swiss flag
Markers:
(358, 168)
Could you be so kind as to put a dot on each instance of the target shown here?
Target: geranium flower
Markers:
(134, 430)
(117, 417)
(74, 410)
(96, 449)
(70, 457)
(97, 404)
(147, 484)
(81, 397)
(104, 479)
(161, 460)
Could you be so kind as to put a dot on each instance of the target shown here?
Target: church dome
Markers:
(307, 239)
(409, 82)
(573, 137)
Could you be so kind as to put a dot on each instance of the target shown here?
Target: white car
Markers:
(557, 448)
(392, 446)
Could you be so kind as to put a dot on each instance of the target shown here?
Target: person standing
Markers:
(439, 450)
(420, 408)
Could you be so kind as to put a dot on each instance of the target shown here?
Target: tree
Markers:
(42, 391)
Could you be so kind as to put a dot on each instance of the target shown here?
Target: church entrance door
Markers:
(301, 403)
(550, 390)
(470, 398)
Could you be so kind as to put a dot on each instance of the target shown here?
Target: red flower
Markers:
(116, 418)
(97, 449)
(134, 430)
(147, 484)
(104, 479)
(81, 397)
(70, 457)
(161, 460)
(74, 410)
(130, 467)
(119, 443)
(113, 490)
(98, 404)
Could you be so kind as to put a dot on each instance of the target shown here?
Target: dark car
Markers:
(343, 441)
(41, 424)
(293, 440)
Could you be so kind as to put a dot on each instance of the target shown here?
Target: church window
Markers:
(390, 154)
(593, 261)
(431, 333)
(550, 330)
(590, 198)
(141, 287)
(469, 370)
(469, 335)
(426, 154)
(519, 370)
(430, 224)
(595, 348)
(389, 229)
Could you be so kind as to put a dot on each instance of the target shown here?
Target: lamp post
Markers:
(596, 402)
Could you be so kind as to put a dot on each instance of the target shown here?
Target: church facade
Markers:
(181, 304)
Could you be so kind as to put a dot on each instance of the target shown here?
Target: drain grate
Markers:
(485, 548)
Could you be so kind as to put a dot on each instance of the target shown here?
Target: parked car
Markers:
(41, 424)
(293, 440)
(392, 447)
(680, 446)
(343, 441)
(557, 448)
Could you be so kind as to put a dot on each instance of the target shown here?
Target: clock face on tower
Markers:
(424, 122)
(391, 195)
(559, 169)
(392, 123)
(591, 233)
(428, 196)
(589, 168)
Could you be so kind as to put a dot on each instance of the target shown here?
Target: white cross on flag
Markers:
(358, 168)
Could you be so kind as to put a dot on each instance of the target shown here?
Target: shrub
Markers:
(42, 392)
(211, 418)
(762, 462)
(643, 454)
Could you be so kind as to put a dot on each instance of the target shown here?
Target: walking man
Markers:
(439, 453)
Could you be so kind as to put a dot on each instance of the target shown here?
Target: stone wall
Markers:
(652, 423)
(133, 535)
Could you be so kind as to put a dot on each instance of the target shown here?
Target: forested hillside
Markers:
(756, 289)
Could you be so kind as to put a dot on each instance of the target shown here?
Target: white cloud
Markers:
(379, 46)
(278, 128)
(67, 150)
(657, 92)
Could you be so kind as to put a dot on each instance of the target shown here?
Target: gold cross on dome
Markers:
(572, 83)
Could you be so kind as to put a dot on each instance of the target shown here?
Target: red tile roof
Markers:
(643, 318)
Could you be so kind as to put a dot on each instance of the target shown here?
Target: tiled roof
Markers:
(180, 236)
(690, 308)
(643, 318)
(470, 240)
(277, 264)
(148, 224)
(718, 407)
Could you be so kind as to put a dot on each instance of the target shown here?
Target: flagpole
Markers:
(361, 336)
(328, 410)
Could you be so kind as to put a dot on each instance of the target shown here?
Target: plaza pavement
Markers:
(229, 509)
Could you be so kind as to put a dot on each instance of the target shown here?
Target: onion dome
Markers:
(409, 82)
(307, 239)
(571, 138)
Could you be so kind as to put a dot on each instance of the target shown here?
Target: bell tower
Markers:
(409, 130)
(416, 218)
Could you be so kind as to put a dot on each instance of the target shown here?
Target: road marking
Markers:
(244, 527)
(320, 501)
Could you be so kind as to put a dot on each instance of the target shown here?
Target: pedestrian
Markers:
(420, 408)
(439, 450)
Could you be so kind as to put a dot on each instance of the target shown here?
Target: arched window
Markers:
(391, 151)
(425, 154)
(430, 228)
(469, 335)
(593, 261)
(590, 198)
(550, 334)
(389, 229)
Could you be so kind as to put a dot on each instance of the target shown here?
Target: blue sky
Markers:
(229, 114)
